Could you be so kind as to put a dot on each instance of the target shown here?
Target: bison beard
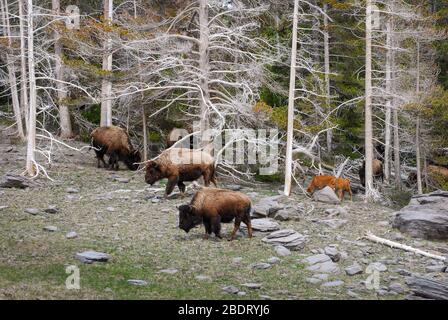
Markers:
(213, 206)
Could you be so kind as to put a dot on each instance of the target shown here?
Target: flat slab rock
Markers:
(267, 207)
(426, 216)
(15, 181)
(321, 263)
(287, 238)
(263, 225)
(326, 195)
(92, 256)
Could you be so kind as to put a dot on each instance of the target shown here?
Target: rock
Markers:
(237, 260)
(230, 289)
(3, 207)
(333, 223)
(71, 235)
(321, 263)
(282, 251)
(336, 283)
(261, 266)
(263, 225)
(251, 285)
(321, 276)
(92, 256)
(72, 190)
(266, 207)
(397, 288)
(169, 271)
(137, 282)
(435, 268)
(287, 214)
(425, 217)
(50, 228)
(333, 253)
(326, 195)
(241, 293)
(265, 297)
(15, 181)
(32, 211)
(378, 266)
(203, 278)
(110, 209)
(273, 260)
(318, 258)
(313, 280)
(52, 209)
(428, 288)
(353, 270)
(122, 180)
(287, 238)
(234, 187)
(333, 212)
(155, 200)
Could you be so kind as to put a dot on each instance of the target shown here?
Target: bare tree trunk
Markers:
(292, 85)
(368, 105)
(31, 146)
(417, 129)
(387, 140)
(204, 66)
(64, 115)
(145, 135)
(106, 88)
(23, 85)
(12, 70)
(397, 169)
(327, 75)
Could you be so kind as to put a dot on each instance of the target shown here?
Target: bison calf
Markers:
(319, 182)
(212, 206)
(377, 171)
(114, 142)
(343, 186)
(180, 165)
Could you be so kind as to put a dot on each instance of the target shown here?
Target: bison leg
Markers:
(236, 227)
(249, 226)
(182, 187)
(216, 224)
(208, 228)
(100, 157)
(172, 181)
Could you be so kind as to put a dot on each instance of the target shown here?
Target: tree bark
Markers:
(387, 139)
(64, 115)
(397, 169)
(24, 75)
(12, 71)
(417, 127)
(327, 76)
(106, 88)
(291, 100)
(31, 146)
(204, 66)
(368, 104)
(145, 135)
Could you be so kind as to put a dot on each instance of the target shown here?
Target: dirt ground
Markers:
(128, 220)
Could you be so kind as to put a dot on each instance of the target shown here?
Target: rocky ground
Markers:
(45, 228)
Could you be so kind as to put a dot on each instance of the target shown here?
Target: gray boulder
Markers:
(15, 181)
(92, 256)
(426, 216)
(267, 207)
(287, 238)
(326, 195)
(263, 225)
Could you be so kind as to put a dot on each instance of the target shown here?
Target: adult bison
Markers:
(211, 206)
(377, 171)
(114, 142)
(180, 165)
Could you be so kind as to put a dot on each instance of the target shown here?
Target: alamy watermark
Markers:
(72, 282)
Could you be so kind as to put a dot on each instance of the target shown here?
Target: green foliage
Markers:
(93, 114)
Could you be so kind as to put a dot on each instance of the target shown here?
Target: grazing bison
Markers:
(180, 165)
(377, 171)
(319, 182)
(343, 186)
(176, 134)
(212, 206)
(114, 142)
(437, 177)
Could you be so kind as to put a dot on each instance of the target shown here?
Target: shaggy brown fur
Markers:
(343, 186)
(377, 170)
(437, 177)
(212, 206)
(319, 182)
(114, 142)
(179, 165)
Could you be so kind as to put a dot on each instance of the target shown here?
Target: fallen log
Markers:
(428, 288)
(397, 245)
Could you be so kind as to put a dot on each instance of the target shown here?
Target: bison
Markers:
(319, 182)
(211, 206)
(377, 171)
(343, 186)
(180, 165)
(114, 142)
(437, 176)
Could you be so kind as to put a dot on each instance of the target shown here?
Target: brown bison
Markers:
(319, 182)
(377, 171)
(114, 142)
(437, 177)
(343, 186)
(180, 165)
(212, 206)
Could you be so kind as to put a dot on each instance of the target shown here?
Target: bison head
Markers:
(153, 172)
(133, 159)
(188, 218)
